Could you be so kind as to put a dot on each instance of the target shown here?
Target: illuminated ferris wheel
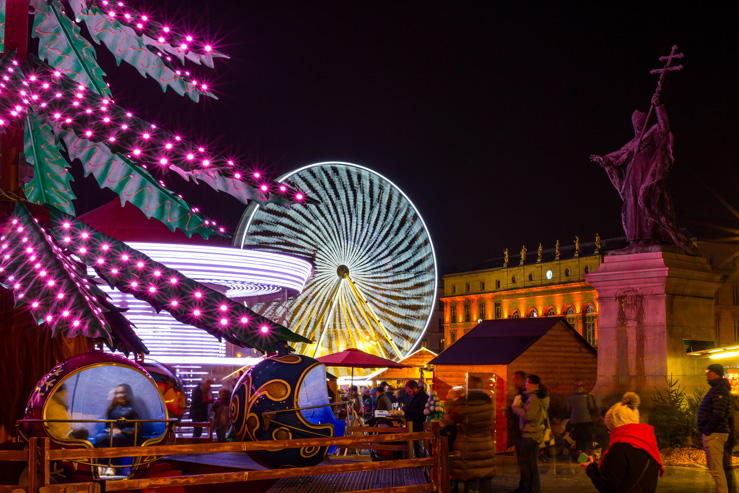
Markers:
(374, 281)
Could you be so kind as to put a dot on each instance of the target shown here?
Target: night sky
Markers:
(483, 113)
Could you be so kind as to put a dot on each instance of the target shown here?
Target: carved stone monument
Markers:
(655, 293)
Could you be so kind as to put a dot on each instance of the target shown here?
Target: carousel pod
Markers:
(170, 387)
(270, 402)
(69, 399)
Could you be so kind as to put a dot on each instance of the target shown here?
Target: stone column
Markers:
(649, 302)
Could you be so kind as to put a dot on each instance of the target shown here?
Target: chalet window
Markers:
(467, 312)
(481, 310)
(497, 311)
(591, 320)
(515, 314)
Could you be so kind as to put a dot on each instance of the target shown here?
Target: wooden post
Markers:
(210, 421)
(45, 462)
(409, 425)
(444, 456)
(32, 464)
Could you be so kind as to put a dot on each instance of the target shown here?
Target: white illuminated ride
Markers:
(374, 278)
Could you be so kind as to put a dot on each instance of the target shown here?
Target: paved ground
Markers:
(571, 478)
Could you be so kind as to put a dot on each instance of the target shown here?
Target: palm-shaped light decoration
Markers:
(60, 103)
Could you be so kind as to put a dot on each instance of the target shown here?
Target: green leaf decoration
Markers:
(126, 45)
(48, 282)
(2, 26)
(197, 58)
(62, 46)
(133, 184)
(188, 301)
(51, 181)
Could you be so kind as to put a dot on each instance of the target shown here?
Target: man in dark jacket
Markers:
(414, 413)
(713, 423)
(514, 430)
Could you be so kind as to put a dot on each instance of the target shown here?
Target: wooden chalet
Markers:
(414, 362)
(495, 349)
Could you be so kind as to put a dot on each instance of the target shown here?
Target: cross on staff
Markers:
(662, 73)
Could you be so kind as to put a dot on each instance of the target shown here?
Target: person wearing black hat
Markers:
(713, 423)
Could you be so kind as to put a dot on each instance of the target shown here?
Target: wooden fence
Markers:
(40, 455)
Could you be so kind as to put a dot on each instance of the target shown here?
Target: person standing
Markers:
(199, 406)
(632, 462)
(514, 430)
(414, 413)
(474, 461)
(221, 415)
(532, 416)
(581, 406)
(713, 423)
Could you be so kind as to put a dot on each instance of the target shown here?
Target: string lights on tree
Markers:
(66, 112)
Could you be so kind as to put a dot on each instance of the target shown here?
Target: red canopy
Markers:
(354, 358)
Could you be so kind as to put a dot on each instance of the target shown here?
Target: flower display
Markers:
(434, 407)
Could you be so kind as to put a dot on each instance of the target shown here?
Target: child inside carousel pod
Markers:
(58, 417)
(119, 433)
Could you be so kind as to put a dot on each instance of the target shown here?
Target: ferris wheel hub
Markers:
(342, 271)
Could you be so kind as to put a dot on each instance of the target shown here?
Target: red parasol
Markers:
(355, 358)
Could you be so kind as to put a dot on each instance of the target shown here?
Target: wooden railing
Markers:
(40, 456)
(179, 435)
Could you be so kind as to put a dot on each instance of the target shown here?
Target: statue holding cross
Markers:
(639, 171)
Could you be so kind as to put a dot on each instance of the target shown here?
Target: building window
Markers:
(736, 330)
(481, 310)
(568, 272)
(452, 336)
(497, 284)
(441, 305)
(550, 312)
(531, 276)
(515, 314)
(467, 312)
(736, 294)
(532, 313)
(587, 269)
(591, 321)
(454, 288)
(467, 287)
(497, 311)
(453, 314)
(570, 315)
(514, 279)
(482, 285)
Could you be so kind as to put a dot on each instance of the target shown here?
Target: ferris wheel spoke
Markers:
(363, 303)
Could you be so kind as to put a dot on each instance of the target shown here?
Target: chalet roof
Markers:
(499, 342)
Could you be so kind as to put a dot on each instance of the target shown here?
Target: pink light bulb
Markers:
(114, 270)
(85, 236)
(88, 133)
(139, 25)
(165, 29)
(264, 329)
(76, 323)
(190, 156)
(35, 304)
(157, 273)
(60, 296)
(237, 176)
(161, 39)
(137, 152)
(183, 46)
(168, 145)
(124, 257)
(106, 119)
(224, 308)
(105, 247)
(134, 284)
(174, 303)
(65, 225)
(204, 87)
(264, 188)
(173, 280)
(146, 136)
(101, 261)
(283, 188)
(208, 48)
(188, 38)
(196, 312)
(299, 196)
(244, 320)
(257, 174)
(152, 289)
(49, 318)
(140, 264)
(83, 250)
(198, 294)
(65, 313)
(206, 162)
(163, 161)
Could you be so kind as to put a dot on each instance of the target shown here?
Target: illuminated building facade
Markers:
(545, 283)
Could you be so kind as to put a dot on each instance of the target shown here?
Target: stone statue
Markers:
(505, 256)
(538, 253)
(523, 254)
(639, 171)
(597, 242)
(577, 246)
(556, 250)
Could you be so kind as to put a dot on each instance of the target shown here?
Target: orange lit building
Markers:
(545, 283)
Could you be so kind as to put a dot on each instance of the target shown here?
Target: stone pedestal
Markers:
(650, 301)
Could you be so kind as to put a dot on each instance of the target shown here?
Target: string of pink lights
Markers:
(71, 106)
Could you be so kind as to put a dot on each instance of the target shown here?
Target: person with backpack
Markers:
(581, 406)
